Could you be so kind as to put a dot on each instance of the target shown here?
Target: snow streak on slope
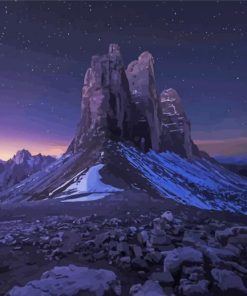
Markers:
(200, 182)
(89, 182)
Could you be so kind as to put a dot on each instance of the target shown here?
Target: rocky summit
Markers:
(121, 104)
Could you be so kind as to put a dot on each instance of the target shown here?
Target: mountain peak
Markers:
(114, 49)
(123, 105)
(20, 166)
(146, 56)
(21, 156)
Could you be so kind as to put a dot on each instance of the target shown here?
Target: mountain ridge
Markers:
(20, 166)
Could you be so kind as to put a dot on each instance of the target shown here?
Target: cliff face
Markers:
(105, 106)
(146, 122)
(124, 105)
(175, 124)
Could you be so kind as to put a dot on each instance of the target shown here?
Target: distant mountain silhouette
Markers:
(21, 166)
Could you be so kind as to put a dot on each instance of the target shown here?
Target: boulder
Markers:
(71, 280)
(149, 288)
(137, 251)
(232, 233)
(139, 264)
(188, 288)
(168, 216)
(153, 257)
(164, 277)
(101, 238)
(123, 248)
(56, 242)
(143, 237)
(227, 280)
(177, 257)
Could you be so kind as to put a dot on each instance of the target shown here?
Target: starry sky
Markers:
(45, 48)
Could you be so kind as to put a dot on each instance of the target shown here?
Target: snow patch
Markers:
(89, 197)
(85, 182)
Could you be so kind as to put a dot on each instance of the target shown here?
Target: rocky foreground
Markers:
(126, 244)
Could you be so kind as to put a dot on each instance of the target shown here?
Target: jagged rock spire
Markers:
(140, 74)
(21, 156)
(175, 125)
(105, 101)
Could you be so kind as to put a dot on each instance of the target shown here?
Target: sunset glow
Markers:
(8, 150)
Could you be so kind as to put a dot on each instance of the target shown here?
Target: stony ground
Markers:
(146, 246)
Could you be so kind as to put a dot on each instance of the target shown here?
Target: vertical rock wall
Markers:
(140, 74)
(105, 106)
(174, 123)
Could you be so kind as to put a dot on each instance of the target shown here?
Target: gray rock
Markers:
(188, 288)
(71, 280)
(8, 240)
(240, 239)
(164, 277)
(168, 216)
(143, 237)
(115, 221)
(123, 247)
(234, 265)
(125, 260)
(175, 258)
(208, 252)
(177, 229)
(216, 255)
(223, 253)
(44, 240)
(101, 238)
(192, 270)
(153, 257)
(56, 242)
(235, 250)
(193, 237)
(227, 280)
(99, 255)
(70, 241)
(113, 254)
(160, 240)
(137, 251)
(139, 264)
(159, 237)
(133, 229)
(223, 235)
(150, 288)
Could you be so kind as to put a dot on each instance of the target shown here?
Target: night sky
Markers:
(200, 49)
